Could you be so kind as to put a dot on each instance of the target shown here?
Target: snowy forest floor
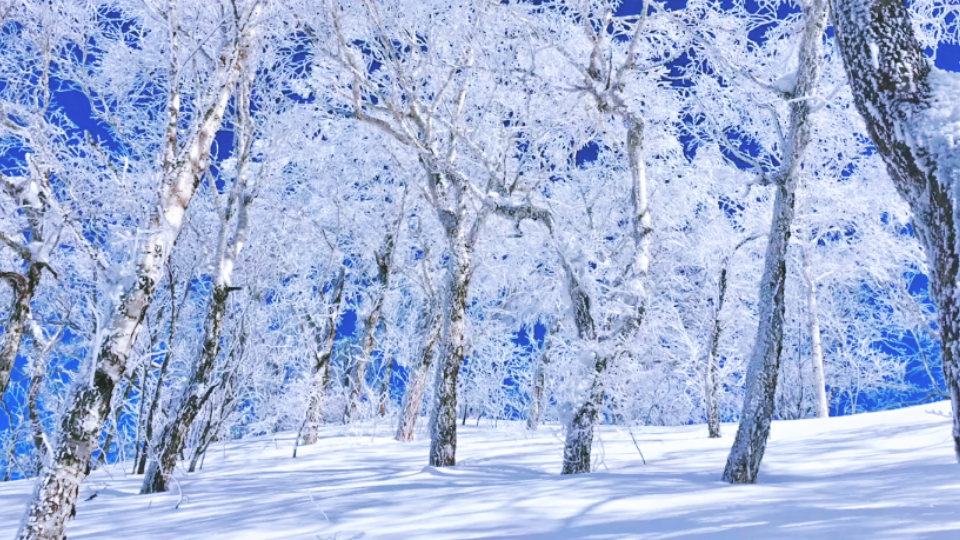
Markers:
(886, 475)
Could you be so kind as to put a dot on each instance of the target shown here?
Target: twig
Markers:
(637, 446)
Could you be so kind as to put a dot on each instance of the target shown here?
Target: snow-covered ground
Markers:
(888, 475)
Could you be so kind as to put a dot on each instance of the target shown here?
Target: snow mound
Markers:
(887, 475)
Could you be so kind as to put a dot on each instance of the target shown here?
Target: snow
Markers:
(887, 475)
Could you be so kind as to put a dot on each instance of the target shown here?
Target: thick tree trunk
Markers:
(443, 423)
(895, 93)
(417, 384)
(816, 347)
(579, 443)
(743, 463)
(56, 492)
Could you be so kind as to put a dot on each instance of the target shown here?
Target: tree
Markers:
(183, 161)
(743, 463)
(907, 107)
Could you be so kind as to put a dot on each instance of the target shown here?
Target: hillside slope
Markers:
(887, 475)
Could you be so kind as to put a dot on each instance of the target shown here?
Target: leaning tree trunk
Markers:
(310, 430)
(88, 405)
(896, 92)
(443, 422)
(232, 238)
(172, 439)
(816, 346)
(358, 375)
(417, 384)
(743, 463)
(16, 325)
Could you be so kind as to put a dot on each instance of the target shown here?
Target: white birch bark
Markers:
(908, 106)
(57, 489)
(743, 463)
(232, 238)
(816, 345)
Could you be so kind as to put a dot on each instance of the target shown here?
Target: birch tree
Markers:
(743, 463)
(908, 108)
(183, 160)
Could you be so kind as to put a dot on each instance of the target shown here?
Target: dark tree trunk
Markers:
(172, 439)
(892, 88)
(16, 324)
(579, 443)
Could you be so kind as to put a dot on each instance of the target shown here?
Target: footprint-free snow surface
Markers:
(887, 475)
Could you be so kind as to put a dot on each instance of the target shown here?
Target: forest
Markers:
(224, 220)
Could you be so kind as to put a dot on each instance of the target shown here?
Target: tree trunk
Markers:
(816, 347)
(895, 93)
(357, 378)
(384, 271)
(579, 443)
(385, 388)
(232, 238)
(37, 375)
(174, 435)
(710, 379)
(417, 385)
(310, 430)
(443, 423)
(56, 492)
(536, 395)
(23, 291)
(539, 382)
(105, 450)
(743, 463)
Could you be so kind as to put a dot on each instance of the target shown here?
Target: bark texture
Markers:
(324, 338)
(443, 441)
(173, 438)
(358, 375)
(417, 385)
(52, 504)
(23, 289)
(743, 463)
(891, 81)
